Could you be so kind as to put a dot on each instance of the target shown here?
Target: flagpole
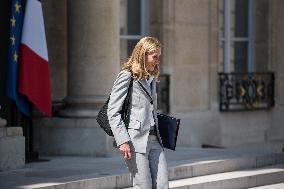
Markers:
(31, 155)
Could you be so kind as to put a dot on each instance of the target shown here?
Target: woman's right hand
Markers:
(125, 150)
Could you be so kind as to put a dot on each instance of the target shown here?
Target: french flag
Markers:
(34, 78)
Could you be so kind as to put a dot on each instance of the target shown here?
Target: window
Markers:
(238, 35)
(134, 22)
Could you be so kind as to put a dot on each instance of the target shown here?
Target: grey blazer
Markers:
(141, 116)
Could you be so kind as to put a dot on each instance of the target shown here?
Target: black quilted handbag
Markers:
(102, 118)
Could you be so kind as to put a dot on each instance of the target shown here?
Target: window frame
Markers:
(228, 39)
(144, 22)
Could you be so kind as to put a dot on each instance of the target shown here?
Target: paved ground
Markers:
(62, 169)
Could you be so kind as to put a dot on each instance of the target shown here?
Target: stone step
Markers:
(233, 180)
(271, 186)
(227, 164)
(177, 170)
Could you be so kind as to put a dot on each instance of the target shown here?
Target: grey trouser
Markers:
(149, 170)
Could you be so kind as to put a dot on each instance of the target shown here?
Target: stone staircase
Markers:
(227, 172)
(235, 173)
(234, 180)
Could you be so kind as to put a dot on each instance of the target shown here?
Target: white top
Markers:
(150, 80)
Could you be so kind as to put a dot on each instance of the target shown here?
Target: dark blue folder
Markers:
(168, 129)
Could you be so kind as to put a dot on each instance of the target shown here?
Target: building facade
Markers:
(88, 40)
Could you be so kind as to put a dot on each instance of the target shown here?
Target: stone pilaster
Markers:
(55, 18)
(93, 54)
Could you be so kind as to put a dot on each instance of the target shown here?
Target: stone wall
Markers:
(190, 32)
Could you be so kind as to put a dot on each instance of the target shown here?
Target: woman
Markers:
(140, 144)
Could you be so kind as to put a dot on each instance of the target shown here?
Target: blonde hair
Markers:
(137, 63)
